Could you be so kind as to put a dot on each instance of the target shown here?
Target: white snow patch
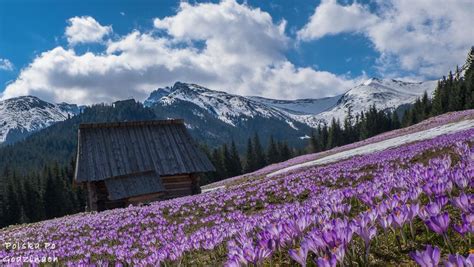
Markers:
(212, 189)
(382, 145)
(292, 125)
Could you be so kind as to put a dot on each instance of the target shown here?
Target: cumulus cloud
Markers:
(225, 46)
(85, 30)
(426, 38)
(330, 18)
(5, 64)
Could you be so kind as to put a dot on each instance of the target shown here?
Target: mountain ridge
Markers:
(21, 116)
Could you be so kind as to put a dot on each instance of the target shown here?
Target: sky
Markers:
(104, 50)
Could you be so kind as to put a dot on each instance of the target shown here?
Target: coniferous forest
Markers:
(36, 175)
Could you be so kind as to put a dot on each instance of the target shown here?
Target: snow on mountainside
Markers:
(384, 93)
(20, 116)
(300, 106)
(228, 108)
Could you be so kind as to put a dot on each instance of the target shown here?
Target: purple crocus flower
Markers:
(427, 258)
(327, 261)
(299, 255)
(399, 217)
(439, 223)
(413, 210)
(441, 200)
(459, 261)
(431, 209)
(463, 202)
(367, 233)
(466, 226)
(314, 243)
(385, 222)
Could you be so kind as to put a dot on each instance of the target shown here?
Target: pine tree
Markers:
(13, 207)
(260, 157)
(334, 136)
(285, 151)
(218, 161)
(272, 151)
(324, 135)
(236, 163)
(395, 121)
(251, 159)
(469, 80)
(227, 160)
(206, 178)
(32, 203)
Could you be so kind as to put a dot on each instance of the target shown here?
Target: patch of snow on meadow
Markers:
(382, 145)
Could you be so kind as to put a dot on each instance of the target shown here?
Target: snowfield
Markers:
(389, 143)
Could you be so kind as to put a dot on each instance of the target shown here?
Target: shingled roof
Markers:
(124, 150)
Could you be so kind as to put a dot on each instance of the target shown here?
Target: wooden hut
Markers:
(137, 162)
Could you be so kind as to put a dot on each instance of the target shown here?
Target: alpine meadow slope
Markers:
(386, 207)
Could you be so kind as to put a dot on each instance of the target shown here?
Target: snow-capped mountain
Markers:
(383, 93)
(21, 116)
(232, 109)
(228, 108)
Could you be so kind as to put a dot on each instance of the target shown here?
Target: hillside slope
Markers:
(21, 116)
(380, 208)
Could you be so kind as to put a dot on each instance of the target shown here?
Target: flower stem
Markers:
(448, 243)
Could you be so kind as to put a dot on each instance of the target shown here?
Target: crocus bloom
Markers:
(431, 209)
(428, 258)
(299, 255)
(367, 233)
(327, 261)
(464, 202)
(385, 222)
(459, 261)
(439, 223)
(399, 217)
(466, 226)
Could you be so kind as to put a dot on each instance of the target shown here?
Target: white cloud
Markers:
(330, 18)
(5, 64)
(85, 30)
(225, 46)
(424, 37)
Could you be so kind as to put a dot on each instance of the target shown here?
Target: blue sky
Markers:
(308, 48)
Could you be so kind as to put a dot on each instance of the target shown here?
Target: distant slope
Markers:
(21, 116)
(384, 94)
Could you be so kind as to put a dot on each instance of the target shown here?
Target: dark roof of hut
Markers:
(125, 149)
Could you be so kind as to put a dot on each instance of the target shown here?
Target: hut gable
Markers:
(131, 157)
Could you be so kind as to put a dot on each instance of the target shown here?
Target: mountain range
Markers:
(216, 115)
(21, 116)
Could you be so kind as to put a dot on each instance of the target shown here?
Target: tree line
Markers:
(33, 198)
(229, 163)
